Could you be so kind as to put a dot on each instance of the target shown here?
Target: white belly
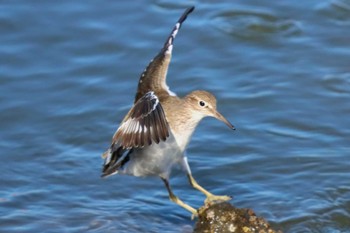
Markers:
(154, 160)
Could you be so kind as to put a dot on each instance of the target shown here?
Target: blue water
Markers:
(280, 71)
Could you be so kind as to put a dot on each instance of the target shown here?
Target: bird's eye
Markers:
(202, 103)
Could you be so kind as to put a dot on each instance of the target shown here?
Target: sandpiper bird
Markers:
(153, 136)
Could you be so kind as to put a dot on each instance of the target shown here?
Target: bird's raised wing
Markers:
(153, 77)
(145, 122)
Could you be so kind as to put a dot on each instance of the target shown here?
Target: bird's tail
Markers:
(114, 160)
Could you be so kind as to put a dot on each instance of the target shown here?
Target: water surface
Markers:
(280, 71)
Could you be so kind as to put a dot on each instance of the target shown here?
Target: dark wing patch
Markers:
(145, 123)
(114, 160)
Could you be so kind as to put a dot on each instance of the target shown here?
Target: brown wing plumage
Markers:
(145, 122)
(153, 77)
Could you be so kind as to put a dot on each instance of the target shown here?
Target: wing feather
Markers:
(153, 78)
(145, 123)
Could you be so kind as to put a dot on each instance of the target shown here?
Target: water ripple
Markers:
(67, 75)
(337, 84)
(336, 10)
(256, 25)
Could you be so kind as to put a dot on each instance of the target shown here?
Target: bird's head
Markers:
(203, 104)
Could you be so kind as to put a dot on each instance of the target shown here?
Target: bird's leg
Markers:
(176, 200)
(210, 197)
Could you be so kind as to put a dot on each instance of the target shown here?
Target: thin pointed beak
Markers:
(220, 117)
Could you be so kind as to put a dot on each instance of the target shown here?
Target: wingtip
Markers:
(185, 14)
(168, 46)
(191, 8)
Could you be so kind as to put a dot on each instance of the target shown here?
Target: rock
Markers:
(225, 218)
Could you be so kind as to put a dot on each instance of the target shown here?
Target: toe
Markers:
(216, 199)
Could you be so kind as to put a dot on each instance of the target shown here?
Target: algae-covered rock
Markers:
(223, 217)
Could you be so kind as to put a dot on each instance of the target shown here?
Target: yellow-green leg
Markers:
(211, 198)
(176, 200)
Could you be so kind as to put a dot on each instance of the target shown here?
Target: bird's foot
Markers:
(212, 199)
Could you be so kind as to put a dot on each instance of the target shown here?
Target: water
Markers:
(280, 71)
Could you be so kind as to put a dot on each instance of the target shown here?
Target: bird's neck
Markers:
(183, 122)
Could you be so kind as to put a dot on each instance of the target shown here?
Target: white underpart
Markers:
(169, 91)
(156, 159)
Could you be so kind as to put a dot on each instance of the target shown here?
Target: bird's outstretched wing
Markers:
(153, 77)
(145, 122)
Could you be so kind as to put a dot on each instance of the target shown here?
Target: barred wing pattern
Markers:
(145, 122)
(153, 78)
